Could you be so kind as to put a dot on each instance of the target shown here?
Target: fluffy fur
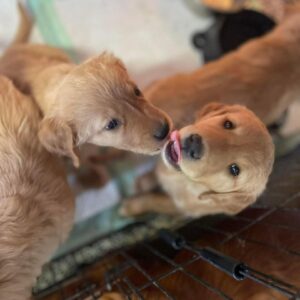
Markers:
(262, 75)
(205, 186)
(79, 101)
(36, 204)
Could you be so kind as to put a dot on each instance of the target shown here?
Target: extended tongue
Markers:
(175, 138)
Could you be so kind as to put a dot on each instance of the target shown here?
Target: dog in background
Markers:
(95, 102)
(262, 74)
(36, 205)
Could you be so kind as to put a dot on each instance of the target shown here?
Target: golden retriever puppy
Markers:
(36, 205)
(263, 75)
(219, 164)
(94, 102)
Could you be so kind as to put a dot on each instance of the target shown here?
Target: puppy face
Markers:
(228, 149)
(101, 105)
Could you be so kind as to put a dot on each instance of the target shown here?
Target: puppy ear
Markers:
(226, 203)
(103, 60)
(57, 137)
(213, 107)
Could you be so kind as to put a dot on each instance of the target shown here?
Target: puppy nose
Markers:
(162, 132)
(193, 146)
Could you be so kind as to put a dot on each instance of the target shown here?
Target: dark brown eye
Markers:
(112, 124)
(228, 125)
(137, 92)
(234, 170)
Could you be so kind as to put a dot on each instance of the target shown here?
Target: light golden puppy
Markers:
(94, 102)
(219, 164)
(263, 75)
(36, 205)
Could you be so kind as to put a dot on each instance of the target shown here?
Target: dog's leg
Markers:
(151, 202)
(146, 183)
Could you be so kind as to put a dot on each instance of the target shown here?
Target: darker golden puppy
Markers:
(262, 74)
(230, 166)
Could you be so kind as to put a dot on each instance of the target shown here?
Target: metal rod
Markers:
(186, 272)
(145, 273)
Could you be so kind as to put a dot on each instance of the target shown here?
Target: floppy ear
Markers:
(212, 107)
(57, 137)
(226, 203)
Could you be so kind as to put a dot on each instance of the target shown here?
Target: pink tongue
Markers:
(176, 139)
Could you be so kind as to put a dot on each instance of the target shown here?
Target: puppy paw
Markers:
(146, 183)
(132, 207)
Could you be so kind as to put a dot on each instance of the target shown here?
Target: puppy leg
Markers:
(151, 202)
(146, 183)
(286, 144)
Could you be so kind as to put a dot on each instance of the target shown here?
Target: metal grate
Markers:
(215, 257)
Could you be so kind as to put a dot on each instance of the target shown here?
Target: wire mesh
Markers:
(271, 227)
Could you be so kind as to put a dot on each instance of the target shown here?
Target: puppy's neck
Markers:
(47, 84)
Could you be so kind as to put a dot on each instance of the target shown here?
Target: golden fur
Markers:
(264, 76)
(36, 204)
(205, 186)
(79, 101)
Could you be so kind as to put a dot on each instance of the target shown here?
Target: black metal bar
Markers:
(186, 272)
(269, 281)
(170, 272)
(173, 239)
(114, 274)
(239, 271)
(133, 288)
(121, 289)
(154, 282)
(225, 263)
(114, 271)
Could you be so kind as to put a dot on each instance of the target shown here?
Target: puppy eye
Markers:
(112, 124)
(137, 92)
(228, 125)
(234, 170)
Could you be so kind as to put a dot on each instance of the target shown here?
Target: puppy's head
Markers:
(228, 149)
(100, 104)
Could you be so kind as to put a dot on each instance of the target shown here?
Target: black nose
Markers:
(193, 146)
(162, 132)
